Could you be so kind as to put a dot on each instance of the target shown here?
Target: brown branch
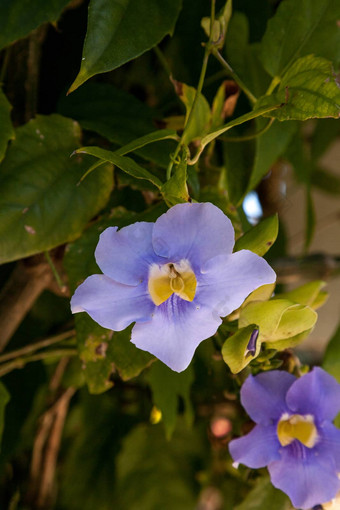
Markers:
(26, 283)
(46, 448)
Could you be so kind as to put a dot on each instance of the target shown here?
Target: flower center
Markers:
(171, 279)
(297, 426)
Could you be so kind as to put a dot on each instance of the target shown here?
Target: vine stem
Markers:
(55, 272)
(250, 136)
(207, 51)
(234, 76)
(38, 345)
(21, 362)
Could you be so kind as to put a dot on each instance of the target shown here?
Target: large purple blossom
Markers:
(294, 435)
(174, 278)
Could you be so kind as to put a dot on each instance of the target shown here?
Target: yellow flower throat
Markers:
(297, 427)
(168, 279)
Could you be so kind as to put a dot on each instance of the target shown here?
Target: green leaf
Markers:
(307, 90)
(278, 319)
(4, 398)
(269, 147)
(175, 190)
(301, 28)
(224, 103)
(307, 294)
(235, 175)
(331, 360)
(41, 205)
(264, 496)
(128, 165)
(92, 341)
(125, 356)
(199, 123)
(324, 134)
(17, 21)
(235, 349)
(155, 136)
(326, 181)
(118, 116)
(167, 386)
(260, 238)
(154, 473)
(109, 42)
(245, 57)
(6, 128)
(260, 110)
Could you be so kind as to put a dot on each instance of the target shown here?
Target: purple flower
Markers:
(174, 278)
(294, 435)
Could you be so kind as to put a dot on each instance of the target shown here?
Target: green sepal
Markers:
(234, 349)
(278, 319)
(288, 343)
(175, 190)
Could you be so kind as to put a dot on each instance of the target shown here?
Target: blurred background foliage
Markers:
(88, 420)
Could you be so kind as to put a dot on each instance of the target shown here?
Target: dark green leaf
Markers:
(265, 497)
(326, 181)
(38, 183)
(245, 57)
(154, 473)
(121, 31)
(118, 116)
(301, 28)
(4, 398)
(17, 20)
(128, 165)
(6, 128)
(331, 360)
(238, 160)
(128, 360)
(167, 386)
(307, 90)
(269, 147)
(92, 341)
(259, 238)
(324, 134)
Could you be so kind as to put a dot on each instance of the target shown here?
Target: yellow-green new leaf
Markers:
(308, 294)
